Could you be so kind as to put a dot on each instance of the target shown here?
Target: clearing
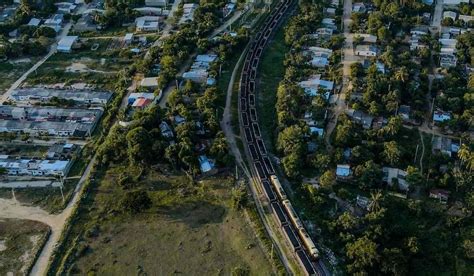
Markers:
(190, 229)
(20, 240)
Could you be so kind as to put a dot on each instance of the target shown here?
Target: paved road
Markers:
(226, 24)
(437, 15)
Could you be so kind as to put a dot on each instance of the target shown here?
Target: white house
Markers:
(313, 85)
(450, 14)
(343, 171)
(156, 3)
(35, 167)
(55, 22)
(393, 175)
(35, 22)
(366, 50)
(454, 2)
(147, 23)
(466, 18)
(188, 12)
(66, 43)
(440, 116)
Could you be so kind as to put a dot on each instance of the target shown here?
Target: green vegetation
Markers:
(272, 72)
(187, 223)
(20, 242)
(11, 71)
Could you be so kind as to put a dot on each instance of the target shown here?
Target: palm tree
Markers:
(391, 152)
(401, 74)
(375, 198)
(466, 156)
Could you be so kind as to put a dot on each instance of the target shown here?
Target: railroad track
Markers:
(293, 229)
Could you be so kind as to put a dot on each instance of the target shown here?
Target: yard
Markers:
(12, 70)
(190, 229)
(20, 240)
(97, 67)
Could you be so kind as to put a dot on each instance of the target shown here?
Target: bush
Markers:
(135, 201)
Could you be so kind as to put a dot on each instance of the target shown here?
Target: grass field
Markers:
(191, 229)
(10, 72)
(272, 72)
(20, 241)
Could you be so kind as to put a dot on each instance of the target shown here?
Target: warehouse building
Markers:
(44, 95)
(57, 129)
(35, 167)
(49, 114)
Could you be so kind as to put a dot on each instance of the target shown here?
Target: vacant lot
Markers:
(20, 240)
(190, 229)
(12, 70)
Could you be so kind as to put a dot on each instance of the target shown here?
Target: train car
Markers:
(251, 87)
(251, 98)
(255, 62)
(291, 236)
(245, 119)
(278, 188)
(243, 104)
(267, 33)
(246, 66)
(292, 214)
(253, 74)
(306, 263)
(308, 243)
(256, 130)
(253, 151)
(259, 169)
(268, 165)
(280, 215)
(269, 191)
(248, 135)
(253, 115)
(261, 147)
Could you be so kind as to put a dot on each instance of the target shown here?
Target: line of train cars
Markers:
(292, 226)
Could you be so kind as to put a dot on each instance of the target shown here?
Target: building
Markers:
(199, 76)
(86, 23)
(141, 103)
(393, 176)
(55, 22)
(156, 3)
(366, 50)
(229, 9)
(440, 194)
(35, 22)
(35, 167)
(363, 202)
(360, 117)
(359, 7)
(367, 38)
(450, 14)
(66, 44)
(199, 69)
(65, 7)
(135, 96)
(466, 18)
(61, 151)
(150, 82)
(206, 165)
(128, 38)
(50, 114)
(315, 84)
(147, 23)
(166, 130)
(319, 56)
(44, 95)
(48, 128)
(439, 116)
(404, 111)
(188, 13)
(444, 145)
(455, 2)
(343, 171)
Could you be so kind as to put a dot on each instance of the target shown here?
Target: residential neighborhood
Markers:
(326, 137)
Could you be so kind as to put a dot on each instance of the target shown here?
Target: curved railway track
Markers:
(303, 246)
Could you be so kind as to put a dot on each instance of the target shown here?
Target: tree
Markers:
(135, 201)
(391, 152)
(292, 164)
(375, 198)
(393, 126)
(401, 74)
(347, 221)
(362, 253)
(466, 156)
(369, 174)
(327, 179)
(139, 145)
(394, 262)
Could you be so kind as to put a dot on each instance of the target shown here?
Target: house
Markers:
(52, 114)
(199, 76)
(140, 100)
(199, 69)
(404, 111)
(393, 176)
(439, 116)
(466, 18)
(141, 103)
(61, 151)
(43, 95)
(366, 50)
(206, 165)
(166, 130)
(450, 14)
(35, 22)
(359, 7)
(440, 194)
(35, 167)
(55, 22)
(455, 2)
(150, 82)
(86, 23)
(147, 23)
(188, 13)
(7, 14)
(360, 117)
(128, 38)
(153, 11)
(363, 202)
(444, 145)
(66, 44)
(367, 38)
(316, 131)
(447, 60)
(314, 84)
(47, 128)
(343, 171)
(228, 9)
(428, 2)
(65, 7)
(156, 3)
(330, 11)
(329, 23)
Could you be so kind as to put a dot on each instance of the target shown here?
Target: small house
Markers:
(206, 165)
(343, 171)
(404, 111)
(366, 50)
(440, 194)
(440, 116)
(393, 176)
(66, 44)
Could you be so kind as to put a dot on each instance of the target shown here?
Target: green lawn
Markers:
(190, 229)
(271, 72)
(20, 240)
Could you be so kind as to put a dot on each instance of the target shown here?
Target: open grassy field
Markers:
(190, 229)
(20, 241)
(97, 67)
(271, 73)
(11, 71)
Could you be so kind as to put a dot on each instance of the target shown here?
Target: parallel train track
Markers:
(302, 244)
